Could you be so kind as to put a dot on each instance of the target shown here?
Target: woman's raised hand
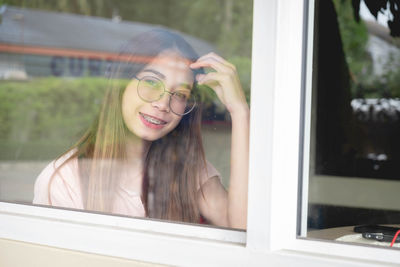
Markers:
(224, 81)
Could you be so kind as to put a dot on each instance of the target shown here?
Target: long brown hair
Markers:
(173, 163)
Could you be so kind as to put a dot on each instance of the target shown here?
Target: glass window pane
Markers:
(354, 146)
(124, 107)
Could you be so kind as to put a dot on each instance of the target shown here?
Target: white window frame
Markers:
(277, 66)
(287, 139)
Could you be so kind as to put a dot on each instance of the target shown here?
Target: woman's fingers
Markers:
(214, 61)
(216, 57)
(209, 77)
(224, 85)
(222, 60)
(209, 63)
(224, 80)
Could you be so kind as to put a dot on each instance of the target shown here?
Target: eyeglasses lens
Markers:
(182, 103)
(151, 89)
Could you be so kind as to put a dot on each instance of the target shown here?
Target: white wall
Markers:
(16, 254)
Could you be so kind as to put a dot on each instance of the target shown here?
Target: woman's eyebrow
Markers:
(162, 76)
(185, 86)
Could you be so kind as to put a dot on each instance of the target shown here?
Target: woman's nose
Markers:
(163, 103)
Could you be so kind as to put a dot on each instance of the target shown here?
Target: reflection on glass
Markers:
(124, 132)
(354, 154)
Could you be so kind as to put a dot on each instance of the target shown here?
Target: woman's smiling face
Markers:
(151, 121)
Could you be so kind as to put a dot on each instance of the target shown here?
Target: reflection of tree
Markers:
(376, 6)
(43, 117)
(355, 38)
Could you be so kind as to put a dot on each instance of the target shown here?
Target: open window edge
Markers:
(352, 251)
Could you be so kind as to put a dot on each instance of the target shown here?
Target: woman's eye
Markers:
(181, 96)
(152, 83)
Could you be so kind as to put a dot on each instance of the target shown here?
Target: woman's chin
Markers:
(149, 135)
(151, 138)
(148, 132)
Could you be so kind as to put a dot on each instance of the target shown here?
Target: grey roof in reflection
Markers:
(63, 30)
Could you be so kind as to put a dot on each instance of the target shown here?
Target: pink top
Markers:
(66, 189)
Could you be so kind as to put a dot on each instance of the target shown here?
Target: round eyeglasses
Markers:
(181, 101)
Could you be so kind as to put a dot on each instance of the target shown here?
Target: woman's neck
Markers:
(132, 167)
(136, 150)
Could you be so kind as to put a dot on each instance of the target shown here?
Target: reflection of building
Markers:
(42, 43)
(382, 48)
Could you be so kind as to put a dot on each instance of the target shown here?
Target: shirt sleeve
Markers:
(208, 173)
(64, 190)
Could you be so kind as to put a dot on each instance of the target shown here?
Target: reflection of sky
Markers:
(366, 14)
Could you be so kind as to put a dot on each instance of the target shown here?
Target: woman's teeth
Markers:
(153, 120)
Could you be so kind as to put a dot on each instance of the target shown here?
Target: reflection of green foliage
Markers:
(243, 67)
(391, 78)
(205, 95)
(48, 110)
(354, 38)
(41, 118)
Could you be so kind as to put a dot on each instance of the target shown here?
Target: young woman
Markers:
(143, 155)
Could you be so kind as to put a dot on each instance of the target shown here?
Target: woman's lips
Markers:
(151, 121)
